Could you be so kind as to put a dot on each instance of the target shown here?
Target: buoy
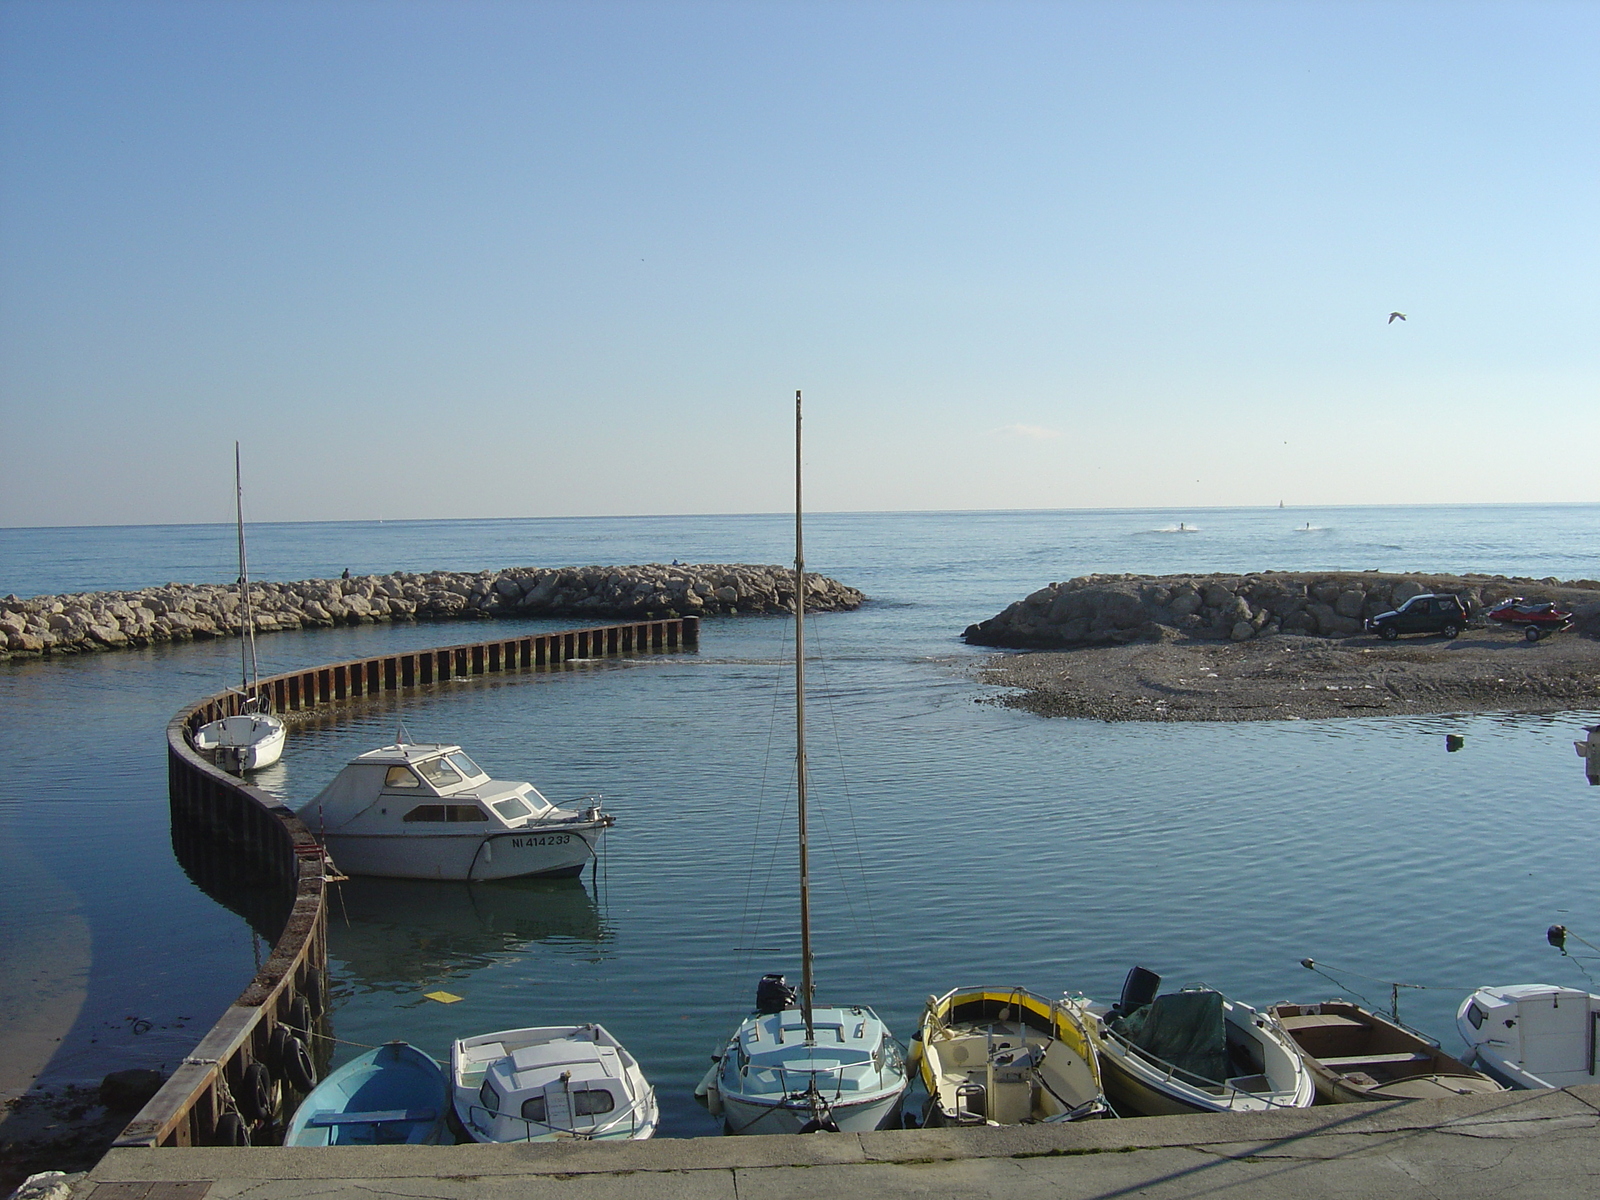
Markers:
(1454, 742)
(1556, 935)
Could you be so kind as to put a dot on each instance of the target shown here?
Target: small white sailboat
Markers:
(1004, 1056)
(427, 811)
(1533, 1035)
(253, 737)
(1193, 1051)
(790, 1069)
(551, 1083)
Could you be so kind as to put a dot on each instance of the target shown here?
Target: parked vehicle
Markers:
(1536, 618)
(1356, 1055)
(1431, 612)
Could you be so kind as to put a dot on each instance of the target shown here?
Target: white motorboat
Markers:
(1003, 1056)
(793, 1067)
(252, 738)
(1532, 1035)
(1193, 1051)
(414, 811)
(551, 1083)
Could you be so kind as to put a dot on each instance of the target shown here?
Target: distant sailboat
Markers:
(253, 738)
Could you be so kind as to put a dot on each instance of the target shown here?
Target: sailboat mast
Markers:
(806, 985)
(247, 628)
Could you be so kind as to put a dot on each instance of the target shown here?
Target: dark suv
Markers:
(1428, 613)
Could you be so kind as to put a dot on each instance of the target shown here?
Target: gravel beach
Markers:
(1289, 677)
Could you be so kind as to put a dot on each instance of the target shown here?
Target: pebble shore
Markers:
(93, 621)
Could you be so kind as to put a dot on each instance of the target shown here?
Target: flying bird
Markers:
(1392, 316)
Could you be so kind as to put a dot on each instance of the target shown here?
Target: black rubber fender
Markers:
(276, 1041)
(314, 991)
(299, 1018)
(255, 1093)
(230, 1131)
(297, 1068)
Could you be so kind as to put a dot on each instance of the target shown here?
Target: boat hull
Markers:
(1003, 1056)
(1355, 1055)
(550, 852)
(394, 1095)
(756, 1117)
(1138, 1085)
(1534, 1035)
(247, 742)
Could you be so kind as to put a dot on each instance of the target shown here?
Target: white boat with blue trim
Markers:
(427, 811)
(551, 1083)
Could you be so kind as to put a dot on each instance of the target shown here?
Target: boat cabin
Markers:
(567, 1086)
(413, 788)
(1535, 1034)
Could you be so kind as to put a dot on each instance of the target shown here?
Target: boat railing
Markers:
(1226, 1092)
(601, 1129)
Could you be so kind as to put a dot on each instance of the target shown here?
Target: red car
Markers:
(1538, 618)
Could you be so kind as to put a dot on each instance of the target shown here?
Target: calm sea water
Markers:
(959, 842)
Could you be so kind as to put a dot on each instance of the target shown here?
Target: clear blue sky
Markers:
(508, 259)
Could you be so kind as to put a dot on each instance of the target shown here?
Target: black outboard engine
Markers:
(773, 994)
(1138, 989)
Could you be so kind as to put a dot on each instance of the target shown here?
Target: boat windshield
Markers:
(511, 808)
(439, 773)
(465, 765)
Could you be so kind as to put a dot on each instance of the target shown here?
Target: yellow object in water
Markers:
(442, 997)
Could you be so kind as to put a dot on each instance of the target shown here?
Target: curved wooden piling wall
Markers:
(255, 835)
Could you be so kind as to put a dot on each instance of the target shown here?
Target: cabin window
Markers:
(1475, 1015)
(465, 765)
(426, 812)
(533, 1110)
(439, 773)
(465, 812)
(592, 1102)
(511, 808)
(401, 777)
(490, 1098)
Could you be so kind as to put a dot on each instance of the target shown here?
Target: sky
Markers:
(483, 259)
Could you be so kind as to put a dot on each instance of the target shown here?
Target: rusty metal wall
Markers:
(246, 834)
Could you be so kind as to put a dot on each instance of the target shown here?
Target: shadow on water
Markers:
(390, 933)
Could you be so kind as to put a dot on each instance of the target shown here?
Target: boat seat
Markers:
(1376, 1060)
(1320, 1021)
(1250, 1083)
(487, 1052)
(373, 1118)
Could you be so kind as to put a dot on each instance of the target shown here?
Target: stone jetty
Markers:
(91, 621)
(1118, 609)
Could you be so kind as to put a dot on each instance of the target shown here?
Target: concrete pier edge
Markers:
(1516, 1144)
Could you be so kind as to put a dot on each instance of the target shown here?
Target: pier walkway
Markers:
(1515, 1146)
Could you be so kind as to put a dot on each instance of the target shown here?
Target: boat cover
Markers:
(1185, 1029)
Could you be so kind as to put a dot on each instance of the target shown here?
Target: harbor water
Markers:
(955, 841)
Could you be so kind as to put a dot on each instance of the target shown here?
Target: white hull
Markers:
(243, 743)
(473, 854)
(1534, 1035)
(548, 1065)
(1139, 1084)
(744, 1116)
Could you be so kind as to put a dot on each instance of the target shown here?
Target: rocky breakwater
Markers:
(91, 621)
(1119, 609)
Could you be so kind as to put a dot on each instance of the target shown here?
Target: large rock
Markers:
(1121, 608)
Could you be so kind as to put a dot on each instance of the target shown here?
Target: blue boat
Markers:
(393, 1095)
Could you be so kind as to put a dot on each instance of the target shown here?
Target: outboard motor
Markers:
(773, 994)
(1138, 990)
(1589, 751)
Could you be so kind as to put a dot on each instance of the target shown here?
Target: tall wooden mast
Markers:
(807, 987)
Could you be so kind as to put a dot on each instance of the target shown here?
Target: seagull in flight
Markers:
(1392, 316)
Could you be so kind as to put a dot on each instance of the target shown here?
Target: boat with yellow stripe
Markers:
(1005, 1056)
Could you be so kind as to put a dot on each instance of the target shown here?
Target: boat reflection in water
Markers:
(389, 934)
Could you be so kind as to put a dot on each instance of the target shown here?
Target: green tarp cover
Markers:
(1185, 1029)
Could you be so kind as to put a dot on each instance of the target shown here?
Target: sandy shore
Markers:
(1289, 677)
